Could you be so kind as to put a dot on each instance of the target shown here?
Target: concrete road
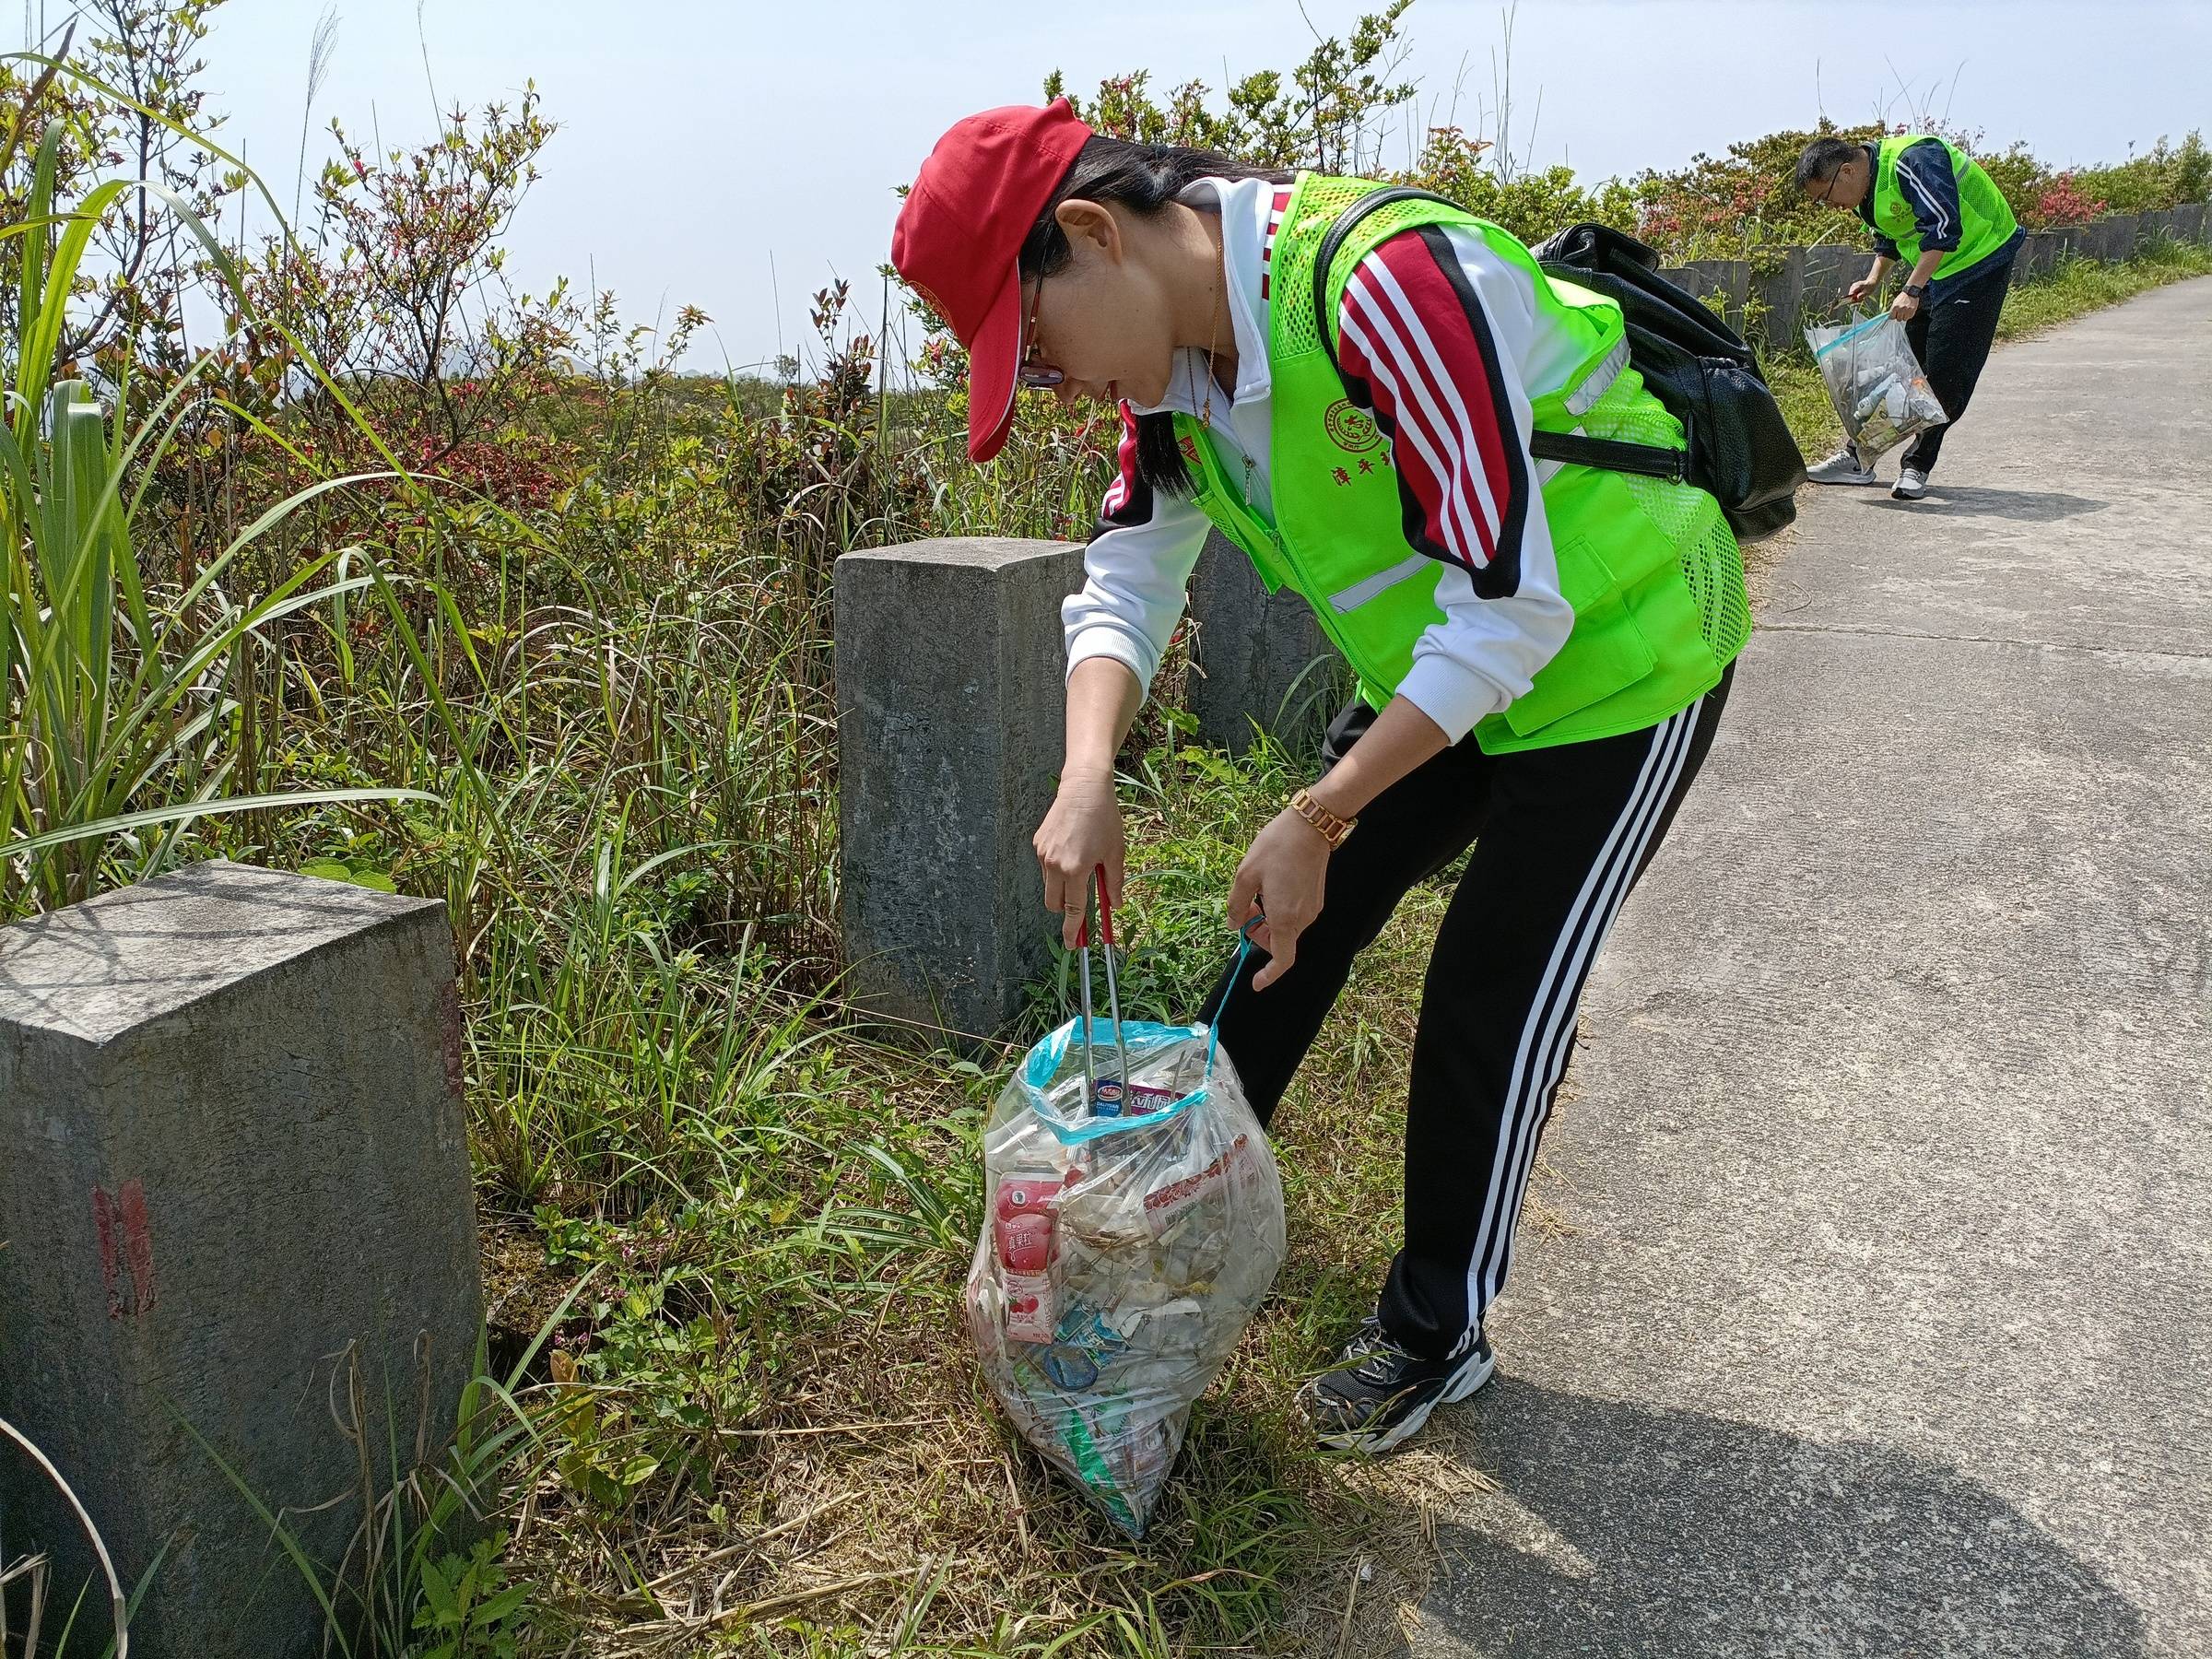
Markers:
(1884, 1326)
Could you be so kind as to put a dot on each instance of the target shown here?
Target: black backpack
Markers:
(1740, 448)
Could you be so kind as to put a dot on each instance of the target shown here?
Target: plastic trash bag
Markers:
(1122, 1256)
(1875, 384)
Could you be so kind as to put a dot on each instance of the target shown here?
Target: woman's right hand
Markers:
(1081, 832)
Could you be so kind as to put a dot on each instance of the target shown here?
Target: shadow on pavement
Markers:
(1973, 500)
(1618, 1529)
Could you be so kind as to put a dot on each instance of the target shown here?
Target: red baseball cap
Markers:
(958, 241)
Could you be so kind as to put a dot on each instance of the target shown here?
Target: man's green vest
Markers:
(1650, 567)
(1985, 218)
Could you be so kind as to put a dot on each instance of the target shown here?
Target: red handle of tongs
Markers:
(1105, 916)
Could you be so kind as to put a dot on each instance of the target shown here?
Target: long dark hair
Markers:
(1143, 178)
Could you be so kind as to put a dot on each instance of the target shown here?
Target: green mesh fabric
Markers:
(1318, 206)
(1691, 519)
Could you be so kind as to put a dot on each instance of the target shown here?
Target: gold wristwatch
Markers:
(1332, 828)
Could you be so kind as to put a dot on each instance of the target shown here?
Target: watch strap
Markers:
(1331, 827)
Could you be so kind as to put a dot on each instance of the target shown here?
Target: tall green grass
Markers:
(131, 709)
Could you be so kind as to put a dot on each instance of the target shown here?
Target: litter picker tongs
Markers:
(1118, 1101)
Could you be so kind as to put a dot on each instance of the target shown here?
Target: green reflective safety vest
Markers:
(1648, 567)
(1985, 218)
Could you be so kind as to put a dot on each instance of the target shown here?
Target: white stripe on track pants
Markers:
(1559, 836)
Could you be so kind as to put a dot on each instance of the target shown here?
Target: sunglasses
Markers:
(1036, 375)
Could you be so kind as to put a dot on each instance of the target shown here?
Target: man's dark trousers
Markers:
(1951, 335)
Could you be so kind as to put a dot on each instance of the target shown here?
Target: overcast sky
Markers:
(699, 136)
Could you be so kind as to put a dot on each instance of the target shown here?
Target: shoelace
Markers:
(1375, 1351)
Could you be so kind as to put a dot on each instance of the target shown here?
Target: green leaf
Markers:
(501, 1606)
(189, 810)
(438, 1593)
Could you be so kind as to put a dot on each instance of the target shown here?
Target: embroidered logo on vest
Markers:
(1350, 428)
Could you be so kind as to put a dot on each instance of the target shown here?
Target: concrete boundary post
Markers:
(950, 725)
(1781, 295)
(234, 1190)
(1256, 656)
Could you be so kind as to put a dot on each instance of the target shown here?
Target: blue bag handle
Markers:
(1212, 1026)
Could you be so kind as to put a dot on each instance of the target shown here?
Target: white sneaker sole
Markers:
(1862, 481)
(1900, 493)
(1374, 1442)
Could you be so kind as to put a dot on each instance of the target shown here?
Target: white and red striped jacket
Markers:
(1446, 336)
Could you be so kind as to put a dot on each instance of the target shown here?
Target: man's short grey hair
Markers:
(1822, 159)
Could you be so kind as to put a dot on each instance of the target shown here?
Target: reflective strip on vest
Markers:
(1382, 581)
(1598, 381)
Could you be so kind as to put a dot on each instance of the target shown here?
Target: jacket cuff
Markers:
(1455, 698)
(1099, 641)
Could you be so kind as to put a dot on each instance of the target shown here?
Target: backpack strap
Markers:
(1347, 222)
(1572, 448)
(1610, 455)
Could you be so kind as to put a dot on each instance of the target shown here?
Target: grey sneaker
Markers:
(1843, 467)
(1911, 484)
(1377, 1393)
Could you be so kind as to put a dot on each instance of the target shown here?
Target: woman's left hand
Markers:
(1285, 873)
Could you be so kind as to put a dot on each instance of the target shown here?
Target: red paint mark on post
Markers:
(127, 1248)
(139, 1243)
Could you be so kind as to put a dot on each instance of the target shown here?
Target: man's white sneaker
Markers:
(1843, 467)
(1911, 484)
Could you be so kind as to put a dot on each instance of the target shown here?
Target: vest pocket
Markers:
(1605, 654)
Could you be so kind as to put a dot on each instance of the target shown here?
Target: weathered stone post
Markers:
(1828, 269)
(1256, 655)
(949, 713)
(1730, 278)
(1781, 295)
(235, 1200)
(2038, 250)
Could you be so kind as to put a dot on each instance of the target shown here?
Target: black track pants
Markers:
(1951, 335)
(1559, 836)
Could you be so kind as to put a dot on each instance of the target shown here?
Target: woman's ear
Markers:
(1085, 222)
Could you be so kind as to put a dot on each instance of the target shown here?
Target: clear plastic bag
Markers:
(1122, 1256)
(1878, 389)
